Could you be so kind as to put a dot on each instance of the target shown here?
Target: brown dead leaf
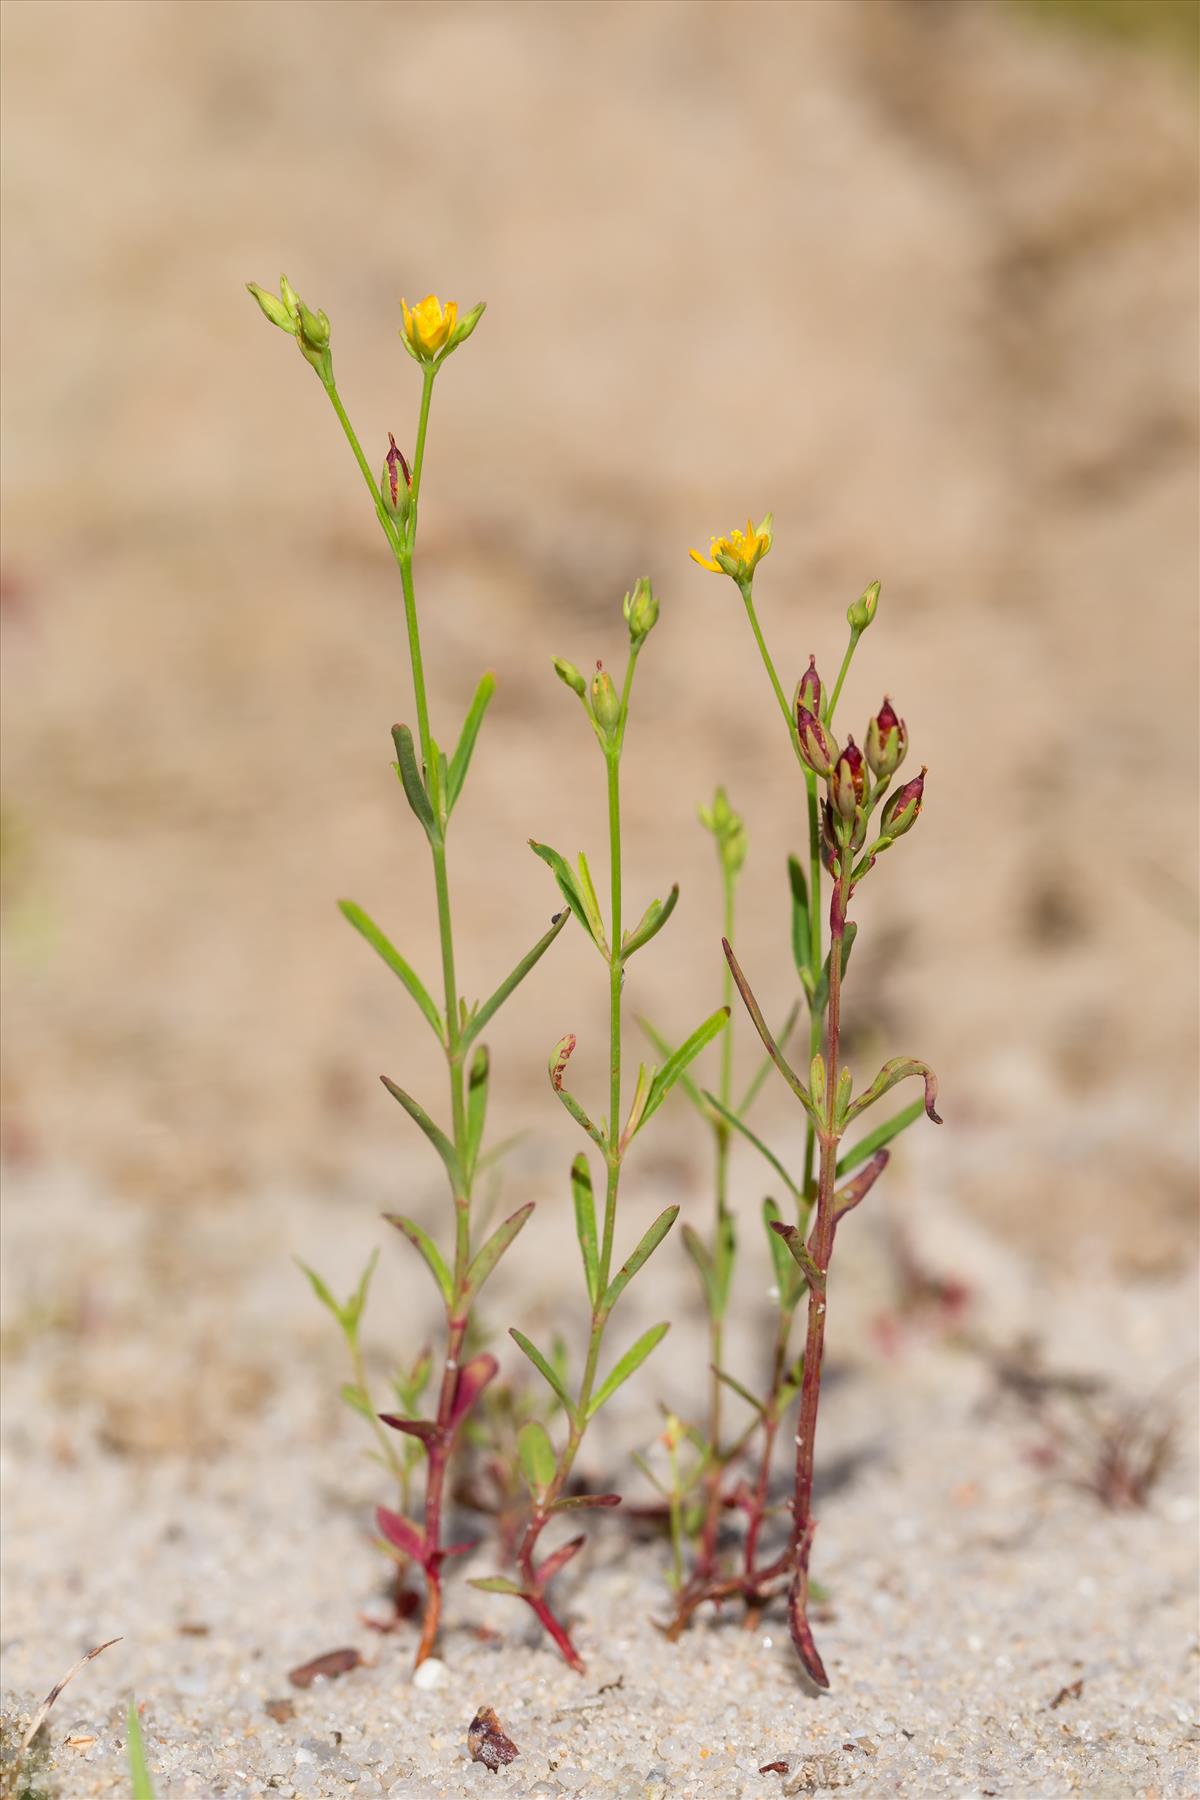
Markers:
(334, 1662)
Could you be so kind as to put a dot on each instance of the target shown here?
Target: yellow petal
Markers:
(704, 562)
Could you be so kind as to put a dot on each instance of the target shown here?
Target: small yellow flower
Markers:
(428, 325)
(740, 553)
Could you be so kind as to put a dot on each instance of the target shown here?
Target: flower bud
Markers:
(641, 611)
(809, 691)
(862, 611)
(818, 746)
(904, 808)
(314, 328)
(273, 307)
(848, 781)
(728, 828)
(887, 740)
(466, 326)
(395, 484)
(566, 671)
(606, 702)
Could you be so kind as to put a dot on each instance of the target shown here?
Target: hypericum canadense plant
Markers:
(548, 1470)
(694, 1493)
(431, 783)
(855, 802)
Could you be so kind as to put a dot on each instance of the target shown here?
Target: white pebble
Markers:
(430, 1674)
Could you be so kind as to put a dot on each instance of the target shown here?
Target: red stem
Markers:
(820, 1245)
(438, 1458)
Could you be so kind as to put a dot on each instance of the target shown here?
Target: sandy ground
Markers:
(198, 1492)
(920, 277)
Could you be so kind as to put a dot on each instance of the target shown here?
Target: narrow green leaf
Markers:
(566, 885)
(637, 1106)
(357, 1400)
(495, 1247)
(477, 1098)
(641, 1463)
(794, 1240)
(590, 898)
(632, 1360)
(410, 778)
(882, 1134)
(899, 1069)
(687, 1052)
(662, 1045)
(544, 1368)
(141, 1787)
(764, 1067)
(735, 1386)
(650, 923)
(740, 1126)
(585, 1224)
(479, 1018)
(800, 921)
(536, 1454)
(429, 1250)
(698, 1250)
(724, 1251)
(368, 929)
(434, 1133)
(787, 1280)
(820, 997)
(436, 782)
(495, 1584)
(323, 1293)
(576, 1502)
(461, 760)
(769, 1045)
(560, 1056)
(646, 1247)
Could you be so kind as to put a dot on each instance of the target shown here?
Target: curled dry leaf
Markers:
(334, 1662)
(487, 1740)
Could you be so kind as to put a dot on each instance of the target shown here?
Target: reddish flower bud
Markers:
(396, 483)
(847, 784)
(809, 692)
(887, 740)
(903, 809)
(829, 843)
(818, 747)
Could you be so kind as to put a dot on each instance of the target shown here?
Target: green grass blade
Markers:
(434, 1133)
(140, 1785)
(495, 1247)
(687, 1052)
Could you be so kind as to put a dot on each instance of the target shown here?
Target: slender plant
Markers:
(432, 784)
(548, 1469)
(709, 1459)
(854, 802)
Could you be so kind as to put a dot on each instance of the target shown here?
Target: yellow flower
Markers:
(428, 325)
(738, 554)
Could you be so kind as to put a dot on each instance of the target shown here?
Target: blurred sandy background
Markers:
(919, 277)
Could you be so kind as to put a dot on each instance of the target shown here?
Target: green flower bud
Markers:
(290, 297)
(566, 671)
(314, 328)
(728, 829)
(641, 610)
(862, 611)
(606, 702)
(818, 746)
(273, 307)
(466, 326)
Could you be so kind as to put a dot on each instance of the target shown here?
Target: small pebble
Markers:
(430, 1674)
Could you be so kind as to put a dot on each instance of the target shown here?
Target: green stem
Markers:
(836, 695)
(352, 439)
(430, 372)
